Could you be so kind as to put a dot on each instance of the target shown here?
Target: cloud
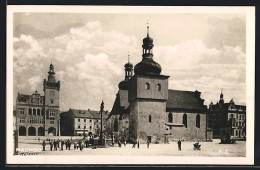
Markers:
(192, 65)
(87, 61)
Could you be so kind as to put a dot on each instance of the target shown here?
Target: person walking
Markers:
(66, 144)
(55, 145)
(148, 143)
(62, 143)
(69, 144)
(75, 145)
(51, 145)
(80, 147)
(43, 145)
(134, 144)
(138, 145)
(125, 143)
(119, 143)
(179, 145)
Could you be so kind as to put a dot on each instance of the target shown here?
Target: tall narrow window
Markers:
(198, 121)
(170, 117)
(147, 86)
(150, 119)
(185, 119)
(38, 112)
(34, 111)
(30, 111)
(158, 87)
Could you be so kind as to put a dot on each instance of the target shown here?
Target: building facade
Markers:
(77, 122)
(38, 115)
(152, 111)
(227, 118)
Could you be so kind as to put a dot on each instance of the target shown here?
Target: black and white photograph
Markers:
(130, 85)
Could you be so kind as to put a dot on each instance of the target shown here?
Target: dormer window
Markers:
(158, 87)
(147, 86)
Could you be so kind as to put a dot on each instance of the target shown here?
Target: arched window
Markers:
(147, 86)
(185, 119)
(116, 125)
(158, 87)
(150, 119)
(198, 121)
(170, 117)
(38, 112)
(34, 111)
(30, 111)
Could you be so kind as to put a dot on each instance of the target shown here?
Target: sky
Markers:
(204, 52)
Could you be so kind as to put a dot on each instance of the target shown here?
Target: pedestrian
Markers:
(75, 145)
(179, 145)
(138, 144)
(125, 143)
(62, 143)
(80, 145)
(58, 143)
(55, 145)
(119, 143)
(51, 145)
(148, 143)
(43, 145)
(69, 144)
(66, 144)
(113, 140)
(134, 145)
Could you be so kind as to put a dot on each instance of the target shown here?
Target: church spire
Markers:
(51, 76)
(221, 97)
(147, 28)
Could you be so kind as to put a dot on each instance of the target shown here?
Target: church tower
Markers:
(51, 106)
(147, 95)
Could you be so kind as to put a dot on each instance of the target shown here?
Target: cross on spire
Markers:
(128, 57)
(147, 28)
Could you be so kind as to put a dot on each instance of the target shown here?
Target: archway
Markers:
(40, 131)
(31, 131)
(52, 131)
(22, 131)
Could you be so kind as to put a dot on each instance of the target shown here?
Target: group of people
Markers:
(138, 144)
(58, 144)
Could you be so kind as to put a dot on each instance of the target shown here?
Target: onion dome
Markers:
(128, 74)
(147, 65)
(123, 85)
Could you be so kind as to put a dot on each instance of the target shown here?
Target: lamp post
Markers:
(101, 130)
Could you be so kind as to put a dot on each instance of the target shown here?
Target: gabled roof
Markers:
(90, 114)
(187, 100)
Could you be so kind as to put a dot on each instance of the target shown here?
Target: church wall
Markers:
(189, 133)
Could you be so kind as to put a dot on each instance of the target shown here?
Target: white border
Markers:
(250, 74)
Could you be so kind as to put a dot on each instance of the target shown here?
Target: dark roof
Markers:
(188, 100)
(121, 103)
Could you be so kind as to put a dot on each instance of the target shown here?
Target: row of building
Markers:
(144, 109)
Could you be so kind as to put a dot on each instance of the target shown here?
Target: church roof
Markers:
(184, 100)
(121, 103)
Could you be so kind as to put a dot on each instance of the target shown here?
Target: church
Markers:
(146, 110)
